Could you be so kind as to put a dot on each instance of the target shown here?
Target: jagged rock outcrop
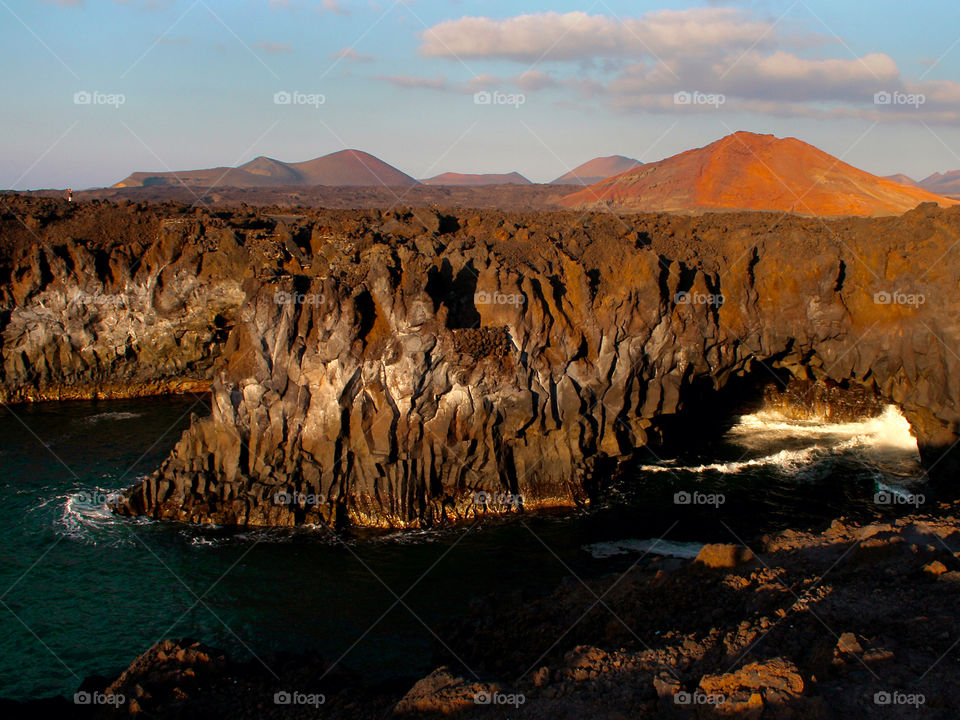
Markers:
(106, 301)
(409, 367)
(429, 368)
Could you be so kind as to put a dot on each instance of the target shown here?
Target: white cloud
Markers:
(533, 80)
(578, 36)
(786, 76)
(759, 65)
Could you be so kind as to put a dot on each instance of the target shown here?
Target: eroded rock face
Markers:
(404, 368)
(106, 301)
(426, 368)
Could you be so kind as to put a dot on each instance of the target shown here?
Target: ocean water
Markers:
(82, 592)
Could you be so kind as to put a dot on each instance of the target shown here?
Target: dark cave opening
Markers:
(705, 412)
(456, 292)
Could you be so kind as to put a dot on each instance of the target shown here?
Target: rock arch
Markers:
(553, 386)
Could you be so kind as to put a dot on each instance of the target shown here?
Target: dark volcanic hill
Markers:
(343, 168)
(747, 171)
(475, 179)
(600, 168)
(943, 183)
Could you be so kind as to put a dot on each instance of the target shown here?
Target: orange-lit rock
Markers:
(746, 171)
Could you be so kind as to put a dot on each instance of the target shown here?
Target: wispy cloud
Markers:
(533, 80)
(577, 36)
(413, 81)
(274, 48)
(349, 53)
(333, 6)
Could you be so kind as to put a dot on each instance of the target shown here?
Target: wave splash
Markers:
(100, 417)
(85, 517)
(882, 443)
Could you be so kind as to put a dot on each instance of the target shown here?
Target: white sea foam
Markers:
(666, 548)
(86, 517)
(99, 417)
(785, 459)
(889, 430)
(883, 441)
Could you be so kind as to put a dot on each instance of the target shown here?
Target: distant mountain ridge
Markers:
(343, 168)
(600, 168)
(474, 179)
(901, 178)
(742, 171)
(947, 183)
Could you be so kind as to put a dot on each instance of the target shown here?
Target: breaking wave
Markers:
(791, 447)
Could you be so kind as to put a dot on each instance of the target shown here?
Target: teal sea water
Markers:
(83, 592)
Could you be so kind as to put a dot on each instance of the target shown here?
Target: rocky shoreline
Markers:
(451, 358)
(856, 621)
(389, 368)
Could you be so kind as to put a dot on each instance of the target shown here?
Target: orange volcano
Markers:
(746, 171)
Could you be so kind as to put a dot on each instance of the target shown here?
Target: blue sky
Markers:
(567, 82)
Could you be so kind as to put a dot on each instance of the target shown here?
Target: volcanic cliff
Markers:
(409, 367)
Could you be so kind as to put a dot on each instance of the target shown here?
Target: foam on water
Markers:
(99, 417)
(785, 460)
(666, 548)
(86, 517)
(883, 442)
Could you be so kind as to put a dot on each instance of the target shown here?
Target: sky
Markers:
(97, 89)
